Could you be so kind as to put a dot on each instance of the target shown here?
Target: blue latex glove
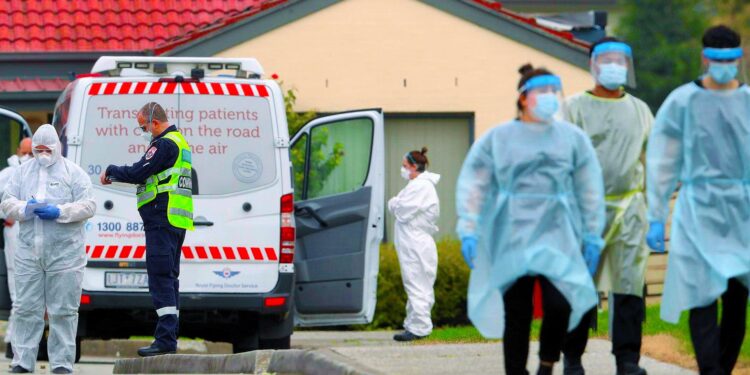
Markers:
(591, 254)
(31, 201)
(469, 250)
(655, 236)
(48, 212)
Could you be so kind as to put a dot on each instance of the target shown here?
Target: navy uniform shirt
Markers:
(160, 155)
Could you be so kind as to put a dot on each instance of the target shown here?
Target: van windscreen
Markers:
(231, 136)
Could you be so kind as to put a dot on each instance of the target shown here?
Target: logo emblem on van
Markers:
(227, 273)
(247, 167)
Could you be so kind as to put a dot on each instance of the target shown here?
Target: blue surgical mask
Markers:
(546, 106)
(722, 73)
(612, 76)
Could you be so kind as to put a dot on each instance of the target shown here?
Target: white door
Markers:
(338, 163)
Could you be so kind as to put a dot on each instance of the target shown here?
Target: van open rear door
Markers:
(338, 164)
(13, 128)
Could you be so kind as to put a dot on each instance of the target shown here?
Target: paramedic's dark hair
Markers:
(601, 41)
(418, 158)
(721, 37)
(528, 72)
(159, 113)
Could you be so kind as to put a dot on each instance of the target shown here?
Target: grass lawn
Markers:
(652, 326)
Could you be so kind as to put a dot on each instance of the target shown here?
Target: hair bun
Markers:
(424, 150)
(525, 69)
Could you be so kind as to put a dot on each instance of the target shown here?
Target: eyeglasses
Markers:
(42, 151)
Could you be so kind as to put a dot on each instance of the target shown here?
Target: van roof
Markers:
(114, 65)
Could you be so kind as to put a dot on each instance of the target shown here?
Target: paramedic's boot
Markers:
(630, 368)
(61, 370)
(152, 350)
(19, 370)
(407, 336)
(573, 366)
(545, 368)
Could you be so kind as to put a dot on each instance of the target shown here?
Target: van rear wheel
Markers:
(280, 343)
(245, 344)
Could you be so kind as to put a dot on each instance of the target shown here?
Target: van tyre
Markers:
(245, 344)
(280, 343)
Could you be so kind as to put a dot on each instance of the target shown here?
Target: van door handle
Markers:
(306, 210)
(201, 221)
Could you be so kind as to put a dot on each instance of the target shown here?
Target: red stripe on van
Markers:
(94, 90)
(111, 252)
(217, 88)
(232, 88)
(140, 87)
(187, 252)
(243, 253)
(171, 86)
(87, 249)
(271, 254)
(229, 253)
(262, 90)
(140, 251)
(125, 88)
(187, 88)
(201, 252)
(202, 88)
(215, 254)
(125, 252)
(155, 87)
(246, 91)
(97, 251)
(109, 88)
(257, 254)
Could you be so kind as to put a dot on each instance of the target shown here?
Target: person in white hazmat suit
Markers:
(417, 209)
(52, 198)
(10, 231)
(618, 124)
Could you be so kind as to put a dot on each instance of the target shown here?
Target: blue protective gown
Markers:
(530, 193)
(701, 138)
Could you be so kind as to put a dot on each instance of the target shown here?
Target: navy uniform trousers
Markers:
(163, 250)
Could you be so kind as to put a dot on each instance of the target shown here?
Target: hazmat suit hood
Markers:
(46, 135)
(14, 161)
(433, 178)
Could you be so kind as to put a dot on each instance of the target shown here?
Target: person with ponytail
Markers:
(417, 210)
(530, 204)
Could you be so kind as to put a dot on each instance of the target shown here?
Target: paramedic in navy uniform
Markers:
(164, 197)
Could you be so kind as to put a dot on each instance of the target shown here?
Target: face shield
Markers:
(612, 65)
(724, 64)
(544, 99)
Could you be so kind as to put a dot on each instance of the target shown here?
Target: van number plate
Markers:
(125, 280)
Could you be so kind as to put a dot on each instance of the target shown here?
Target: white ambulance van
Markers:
(275, 242)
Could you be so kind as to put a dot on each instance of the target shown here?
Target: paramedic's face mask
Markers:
(612, 65)
(543, 97)
(43, 155)
(723, 64)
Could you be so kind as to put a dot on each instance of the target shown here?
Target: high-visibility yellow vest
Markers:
(177, 182)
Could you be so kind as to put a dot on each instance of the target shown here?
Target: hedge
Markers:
(450, 288)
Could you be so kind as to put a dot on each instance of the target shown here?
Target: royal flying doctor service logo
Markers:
(227, 273)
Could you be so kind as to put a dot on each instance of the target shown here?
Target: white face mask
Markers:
(24, 158)
(44, 159)
(147, 136)
(405, 174)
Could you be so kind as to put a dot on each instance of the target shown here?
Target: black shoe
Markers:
(151, 350)
(630, 368)
(61, 370)
(407, 336)
(19, 370)
(8, 351)
(544, 370)
(573, 366)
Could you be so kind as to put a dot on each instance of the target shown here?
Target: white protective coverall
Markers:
(50, 257)
(11, 239)
(417, 209)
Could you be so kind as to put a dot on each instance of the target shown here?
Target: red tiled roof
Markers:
(114, 25)
(33, 84)
(497, 6)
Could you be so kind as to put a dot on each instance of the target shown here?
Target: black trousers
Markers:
(163, 251)
(717, 346)
(628, 312)
(518, 315)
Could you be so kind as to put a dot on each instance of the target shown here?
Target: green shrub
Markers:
(450, 288)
